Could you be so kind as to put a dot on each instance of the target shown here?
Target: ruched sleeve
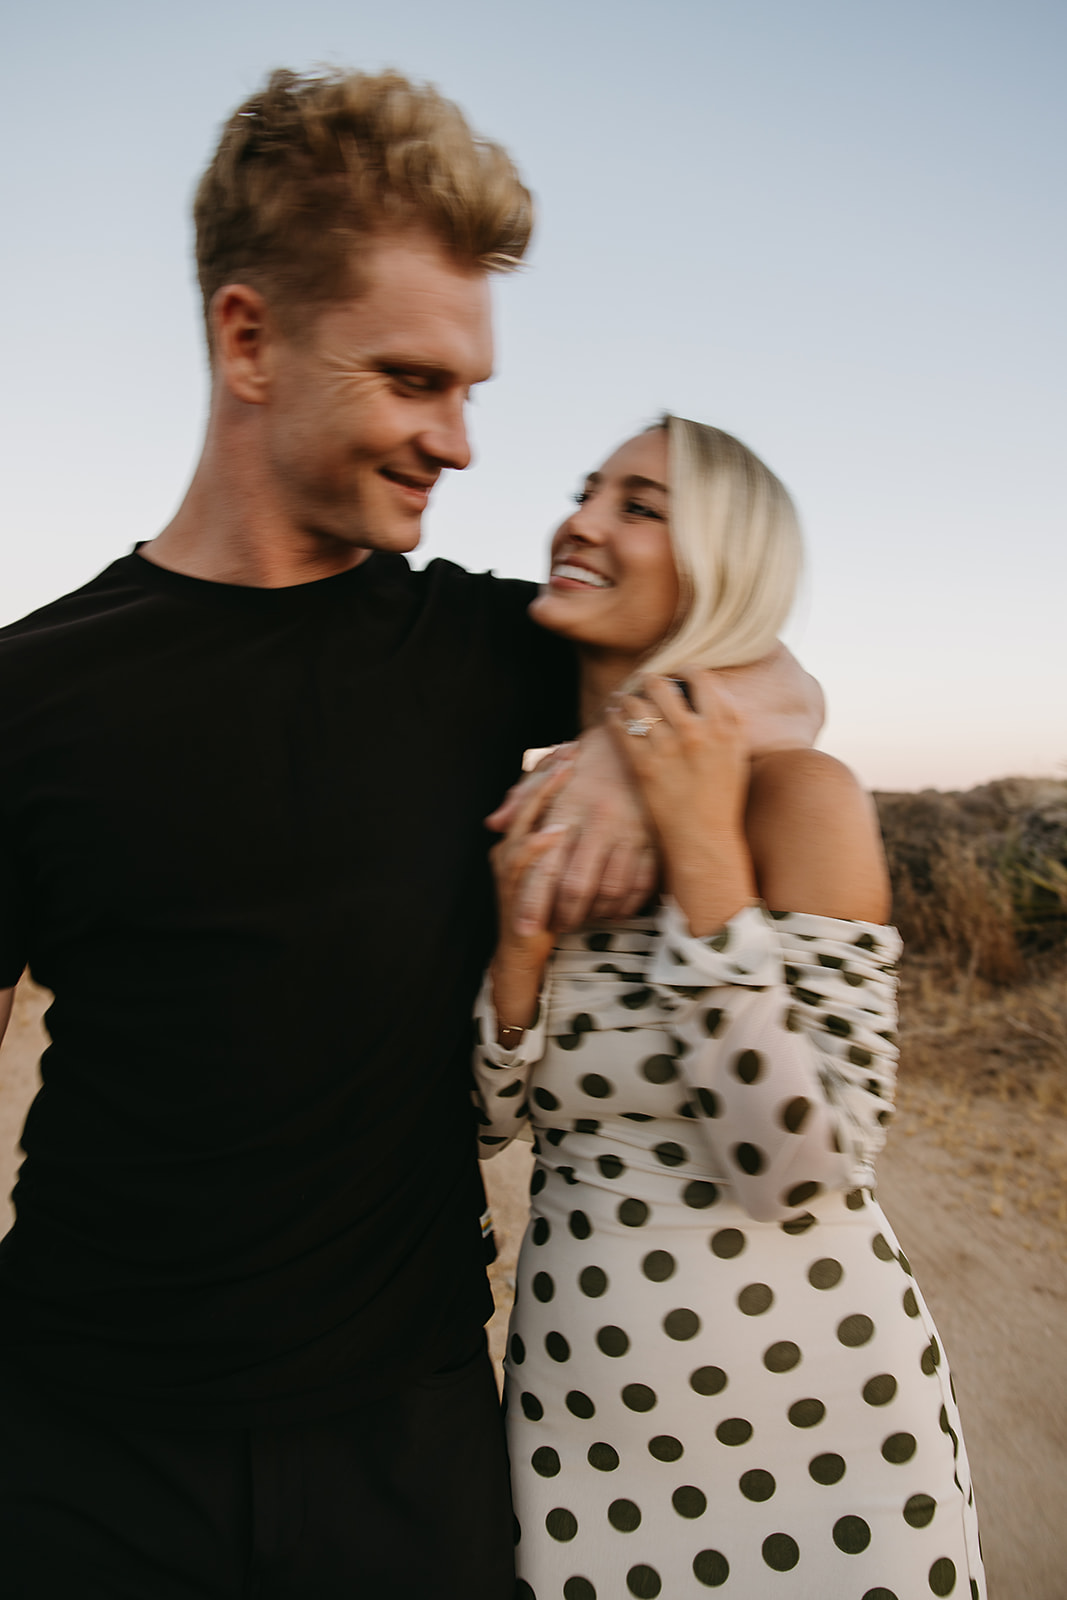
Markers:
(788, 1023)
(501, 1077)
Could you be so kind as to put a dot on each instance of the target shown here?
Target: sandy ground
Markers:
(993, 1271)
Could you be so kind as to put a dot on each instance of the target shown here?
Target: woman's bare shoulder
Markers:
(814, 836)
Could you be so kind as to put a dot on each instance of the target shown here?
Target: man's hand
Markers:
(606, 864)
(781, 705)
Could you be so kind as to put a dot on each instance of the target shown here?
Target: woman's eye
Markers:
(637, 508)
(581, 497)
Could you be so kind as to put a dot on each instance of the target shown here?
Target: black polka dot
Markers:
(837, 1025)
(794, 1113)
(755, 1298)
(510, 1090)
(659, 1069)
(806, 1413)
(942, 1577)
(596, 1086)
(579, 1224)
(555, 1136)
(545, 1099)
(735, 1430)
(578, 1589)
(561, 1524)
(711, 1568)
(748, 1065)
(782, 1356)
(707, 1380)
(638, 1397)
(611, 1166)
(603, 1457)
(851, 1535)
(919, 1510)
(879, 1594)
(598, 941)
(522, 1588)
(670, 1154)
(709, 1102)
(780, 1552)
(713, 1021)
(592, 1281)
(854, 1200)
(855, 1330)
(899, 1447)
(681, 1324)
(882, 1248)
(531, 1406)
(756, 1485)
(541, 1231)
(633, 1213)
(635, 999)
(665, 1447)
(796, 1225)
(643, 1582)
(699, 1195)
(878, 1391)
(910, 1303)
(613, 1341)
(557, 1347)
(624, 1515)
(825, 1274)
(930, 1358)
(727, 1243)
(826, 1469)
(749, 1157)
(586, 1125)
(579, 1405)
(905, 1263)
(538, 1180)
(517, 1349)
(659, 1265)
(545, 1462)
(800, 1193)
(689, 1501)
(543, 1287)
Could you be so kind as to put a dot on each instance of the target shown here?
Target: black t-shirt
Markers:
(241, 840)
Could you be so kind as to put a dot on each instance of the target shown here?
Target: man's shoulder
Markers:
(485, 588)
(110, 591)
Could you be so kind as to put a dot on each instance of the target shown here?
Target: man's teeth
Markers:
(580, 575)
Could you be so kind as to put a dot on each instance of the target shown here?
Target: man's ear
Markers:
(242, 333)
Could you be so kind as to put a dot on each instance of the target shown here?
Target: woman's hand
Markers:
(692, 767)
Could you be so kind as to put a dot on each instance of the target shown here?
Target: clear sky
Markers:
(833, 228)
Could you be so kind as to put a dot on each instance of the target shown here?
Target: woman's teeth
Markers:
(580, 575)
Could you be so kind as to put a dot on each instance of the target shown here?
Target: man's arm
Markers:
(608, 866)
(7, 997)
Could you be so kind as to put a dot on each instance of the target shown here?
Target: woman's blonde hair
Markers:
(737, 548)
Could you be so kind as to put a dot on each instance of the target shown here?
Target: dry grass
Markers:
(980, 896)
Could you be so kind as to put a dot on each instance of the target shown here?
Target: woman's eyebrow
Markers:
(634, 482)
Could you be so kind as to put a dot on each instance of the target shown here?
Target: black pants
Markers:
(403, 1499)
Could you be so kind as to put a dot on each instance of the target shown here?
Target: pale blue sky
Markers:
(835, 229)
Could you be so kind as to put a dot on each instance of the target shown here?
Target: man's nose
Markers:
(446, 439)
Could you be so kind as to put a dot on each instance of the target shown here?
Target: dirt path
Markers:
(994, 1274)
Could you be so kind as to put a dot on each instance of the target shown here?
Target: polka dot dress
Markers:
(720, 1374)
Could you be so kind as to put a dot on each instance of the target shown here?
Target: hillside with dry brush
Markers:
(980, 897)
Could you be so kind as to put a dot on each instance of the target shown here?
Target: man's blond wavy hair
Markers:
(737, 549)
(311, 166)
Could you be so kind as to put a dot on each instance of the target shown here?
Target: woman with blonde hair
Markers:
(720, 1372)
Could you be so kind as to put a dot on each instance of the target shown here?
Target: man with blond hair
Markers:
(242, 777)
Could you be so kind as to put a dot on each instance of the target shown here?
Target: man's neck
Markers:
(228, 529)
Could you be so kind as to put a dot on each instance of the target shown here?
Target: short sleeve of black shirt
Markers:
(243, 844)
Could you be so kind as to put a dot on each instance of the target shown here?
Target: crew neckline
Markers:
(290, 597)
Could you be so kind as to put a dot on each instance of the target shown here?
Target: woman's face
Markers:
(613, 584)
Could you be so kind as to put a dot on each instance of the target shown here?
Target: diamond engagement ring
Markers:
(640, 727)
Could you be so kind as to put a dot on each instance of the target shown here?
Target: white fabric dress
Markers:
(720, 1373)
